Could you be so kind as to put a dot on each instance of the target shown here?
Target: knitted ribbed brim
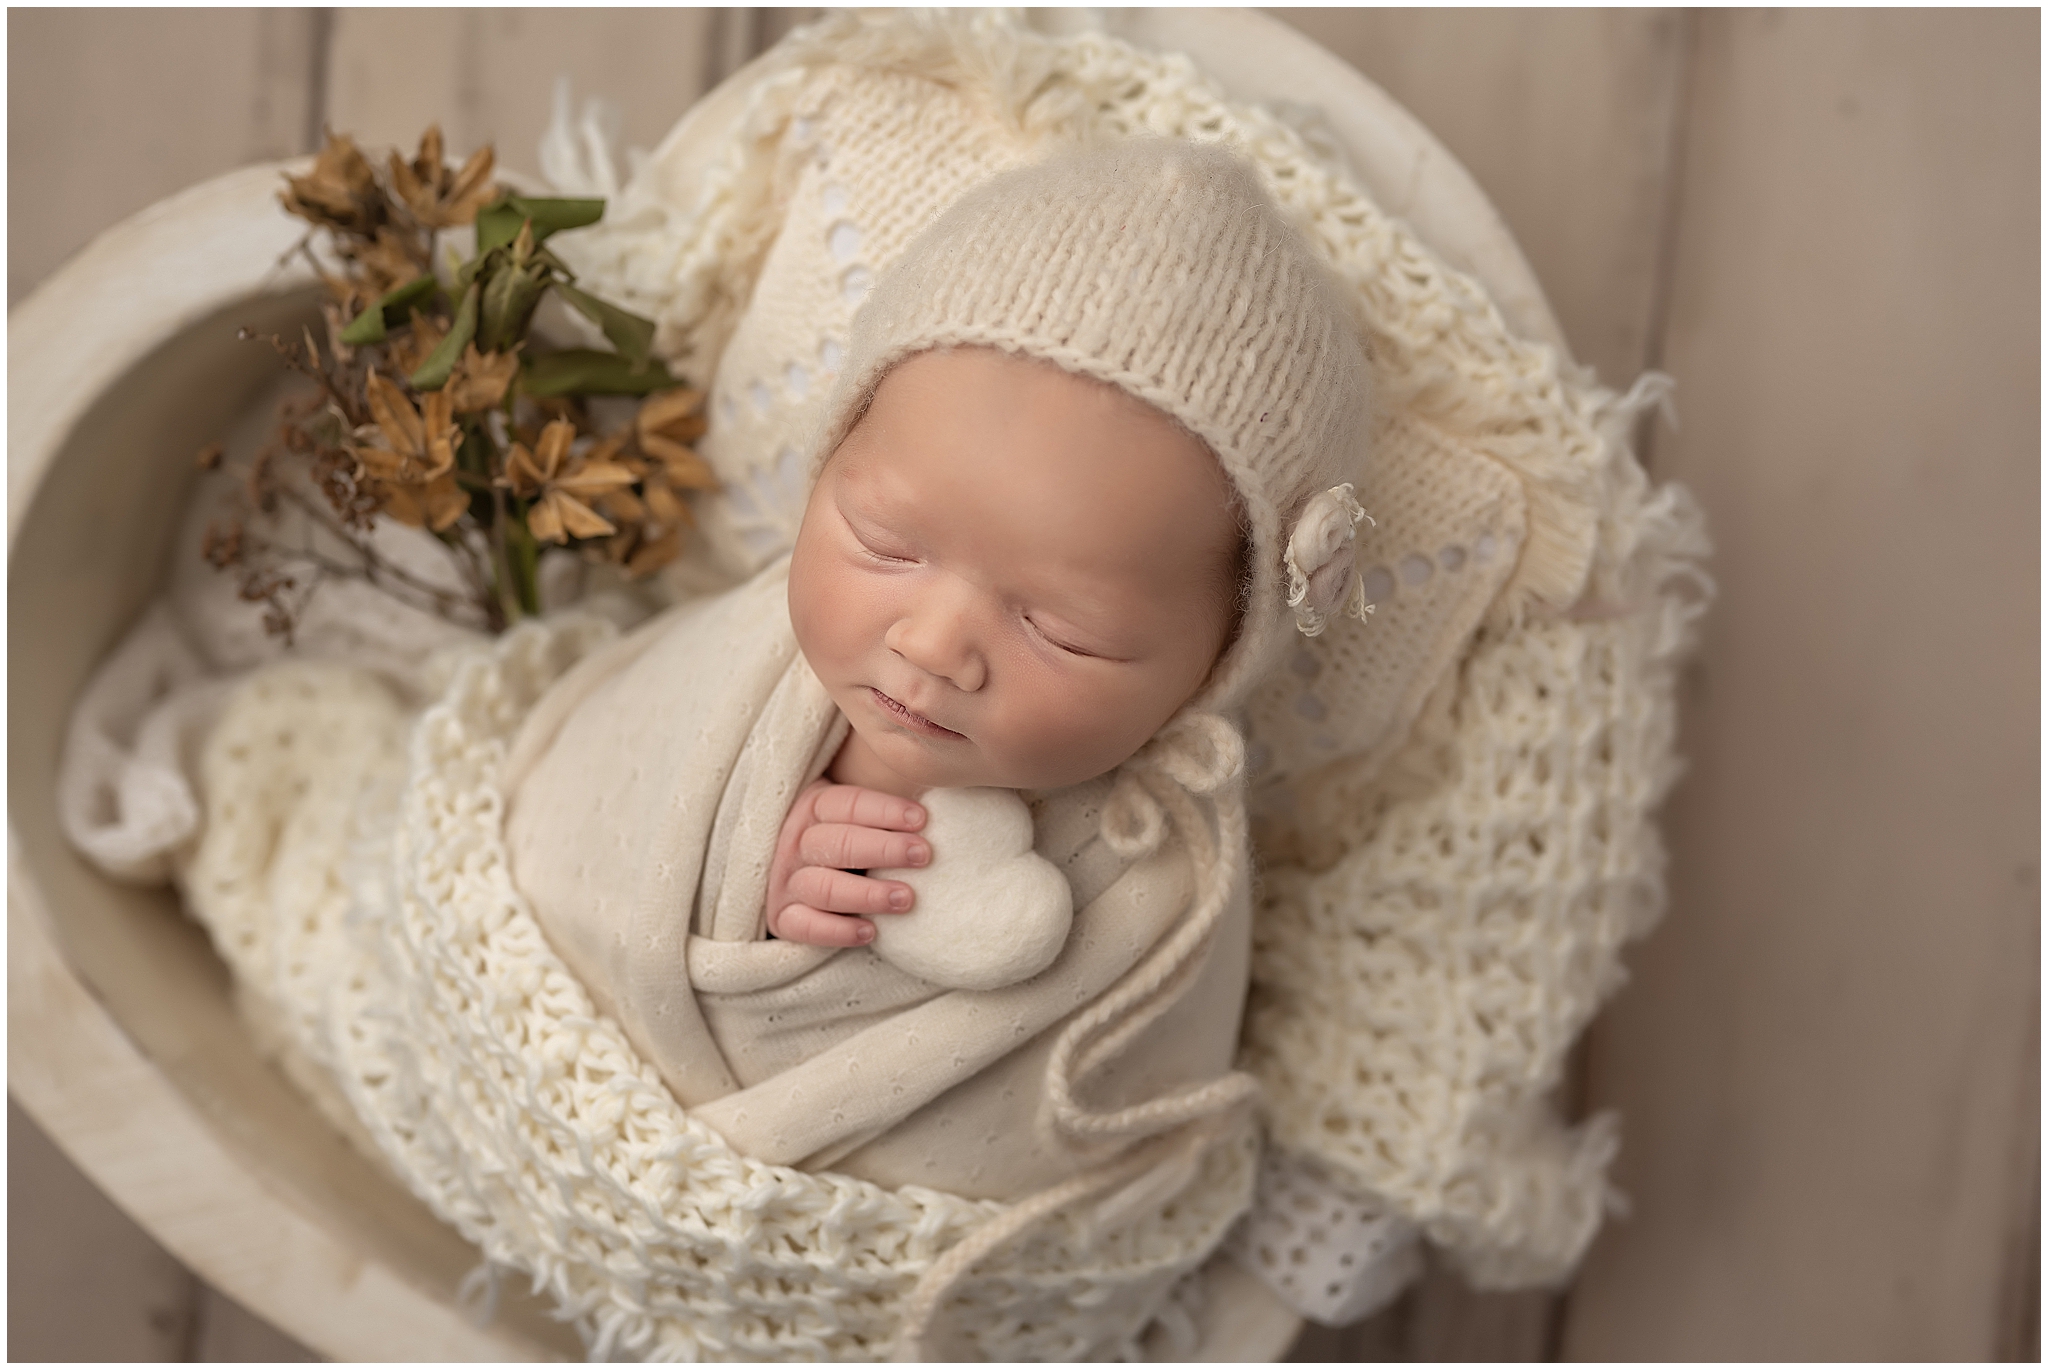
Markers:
(1160, 267)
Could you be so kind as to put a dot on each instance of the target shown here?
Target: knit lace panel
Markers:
(1330, 1254)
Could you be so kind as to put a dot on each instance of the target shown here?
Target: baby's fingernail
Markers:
(919, 853)
(899, 900)
(866, 933)
(913, 814)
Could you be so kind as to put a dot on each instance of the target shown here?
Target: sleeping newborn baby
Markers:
(921, 856)
(1008, 576)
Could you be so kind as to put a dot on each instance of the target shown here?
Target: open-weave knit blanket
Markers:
(1453, 803)
(355, 875)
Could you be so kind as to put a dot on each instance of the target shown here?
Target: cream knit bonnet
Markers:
(1161, 267)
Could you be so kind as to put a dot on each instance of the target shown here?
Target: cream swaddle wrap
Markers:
(646, 794)
(354, 874)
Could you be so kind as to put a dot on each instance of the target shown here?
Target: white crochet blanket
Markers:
(1454, 820)
(353, 872)
(1453, 801)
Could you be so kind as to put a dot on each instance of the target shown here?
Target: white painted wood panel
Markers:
(83, 1282)
(1827, 1062)
(111, 110)
(488, 75)
(1566, 118)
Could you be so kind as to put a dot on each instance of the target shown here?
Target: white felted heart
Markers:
(990, 911)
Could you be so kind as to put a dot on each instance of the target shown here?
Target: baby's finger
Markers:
(816, 928)
(859, 849)
(845, 892)
(867, 808)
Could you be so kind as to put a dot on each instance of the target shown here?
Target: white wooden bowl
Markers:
(123, 1043)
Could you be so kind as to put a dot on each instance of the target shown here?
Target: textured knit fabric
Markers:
(1161, 267)
(1416, 997)
(1452, 801)
(354, 875)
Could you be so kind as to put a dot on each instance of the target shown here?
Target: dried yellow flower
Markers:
(385, 263)
(667, 421)
(650, 557)
(340, 192)
(438, 197)
(436, 505)
(414, 466)
(562, 488)
(675, 414)
(480, 379)
(409, 351)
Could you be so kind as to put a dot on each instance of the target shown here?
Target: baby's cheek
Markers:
(819, 617)
(1064, 736)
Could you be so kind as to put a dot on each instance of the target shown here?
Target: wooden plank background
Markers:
(1826, 226)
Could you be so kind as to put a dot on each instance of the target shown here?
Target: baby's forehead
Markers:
(1029, 471)
(1031, 394)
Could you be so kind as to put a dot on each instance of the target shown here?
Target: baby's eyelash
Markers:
(874, 553)
(1065, 647)
(886, 558)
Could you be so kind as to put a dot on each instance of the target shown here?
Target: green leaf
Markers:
(557, 215)
(440, 363)
(586, 371)
(632, 335)
(374, 323)
(398, 304)
(511, 291)
(365, 328)
(498, 222)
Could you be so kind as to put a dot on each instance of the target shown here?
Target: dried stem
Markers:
(375, 566)
(372, 443)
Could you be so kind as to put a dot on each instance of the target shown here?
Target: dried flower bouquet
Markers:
(435, 406)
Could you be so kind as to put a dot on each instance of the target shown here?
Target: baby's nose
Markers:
(938, 635)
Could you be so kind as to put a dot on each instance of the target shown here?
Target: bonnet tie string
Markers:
(1198, 755)
(1201, 754)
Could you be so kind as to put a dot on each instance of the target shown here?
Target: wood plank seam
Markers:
(1667, 246)
(320, 44)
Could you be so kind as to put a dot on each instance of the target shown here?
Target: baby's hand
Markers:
(832, 831)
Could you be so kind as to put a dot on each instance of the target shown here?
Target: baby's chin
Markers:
(929, 767)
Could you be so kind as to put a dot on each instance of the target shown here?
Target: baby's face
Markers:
(1008, 575)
